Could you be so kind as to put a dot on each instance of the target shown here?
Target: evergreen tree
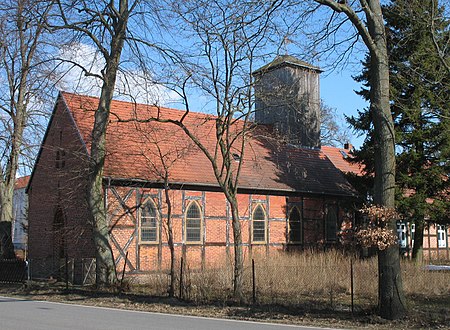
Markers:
(420, 105)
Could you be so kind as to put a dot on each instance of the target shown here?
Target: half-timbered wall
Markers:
(215, 245)
(436, 240)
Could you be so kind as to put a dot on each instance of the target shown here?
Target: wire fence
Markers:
(328, 279)
(68, 270)
(339, 284)
(13, 271)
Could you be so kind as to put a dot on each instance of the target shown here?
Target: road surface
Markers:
(21, 314)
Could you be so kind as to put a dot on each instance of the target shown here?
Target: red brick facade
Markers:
(58, 213)
(216, 242)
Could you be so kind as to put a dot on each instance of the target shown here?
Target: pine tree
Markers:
(420, 105)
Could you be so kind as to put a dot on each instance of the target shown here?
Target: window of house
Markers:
(411, 238)
(295, 226)
(331, 223)
(193, 223)
(442, 236)
(149, 223)
(259, 225)
(401, 233)
(60, 161)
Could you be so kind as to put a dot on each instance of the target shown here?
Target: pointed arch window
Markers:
(148, 223)
(193, 223)
(259, 232)
(331, 220)
(295, 226)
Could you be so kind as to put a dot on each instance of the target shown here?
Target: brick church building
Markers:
(291, 196)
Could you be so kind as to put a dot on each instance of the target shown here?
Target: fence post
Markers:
(351, 283)
(123, 271)
(254, 281)
(67, 272)
(28, 269)
(181, 279)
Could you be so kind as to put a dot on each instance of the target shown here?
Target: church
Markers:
(290, 194)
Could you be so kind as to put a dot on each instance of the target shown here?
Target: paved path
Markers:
(23, 314)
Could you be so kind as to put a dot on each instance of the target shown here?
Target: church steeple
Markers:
(287, 96)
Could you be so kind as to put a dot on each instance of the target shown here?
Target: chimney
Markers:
(348, 146)
(287, 96)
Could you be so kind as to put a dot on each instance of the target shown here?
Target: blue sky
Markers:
(338, 91)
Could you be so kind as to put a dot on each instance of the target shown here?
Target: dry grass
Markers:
(308, 288)
(296, 278)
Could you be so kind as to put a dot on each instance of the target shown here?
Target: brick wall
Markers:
(58, 188)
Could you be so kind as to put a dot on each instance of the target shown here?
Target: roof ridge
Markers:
(203, 114)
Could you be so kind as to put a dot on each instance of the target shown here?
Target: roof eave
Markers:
(136, 182)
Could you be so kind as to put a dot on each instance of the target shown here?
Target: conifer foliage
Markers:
(418, 36)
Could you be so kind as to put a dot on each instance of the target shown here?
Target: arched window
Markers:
(149, 223)
(59, 241)
(331, 223)
(193, 223)
(259, 225)
(295, 226)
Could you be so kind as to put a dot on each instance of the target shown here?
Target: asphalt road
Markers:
(21, 314)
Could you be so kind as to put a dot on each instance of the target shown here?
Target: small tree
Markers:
(22, 33)
(332, 133)
(159, 161)
(225, 41)
(366, 17)
(104, 25)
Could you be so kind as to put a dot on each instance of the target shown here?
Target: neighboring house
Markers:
(436, 240)
(20, 223)
(290, 196)
(20, 209)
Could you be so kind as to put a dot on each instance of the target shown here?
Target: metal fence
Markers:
(69, 270)
(13, 271)
(329, 280)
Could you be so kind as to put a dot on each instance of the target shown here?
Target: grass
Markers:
(291, 278)
(310, 288)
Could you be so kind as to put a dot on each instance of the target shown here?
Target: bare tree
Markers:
(366, 18)
(22, 29)
(225, 41)
(441, 45)
(332, 133)
(159, 161)
(104, 25)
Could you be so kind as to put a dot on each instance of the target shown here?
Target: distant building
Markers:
(20, 210)
(436, 240)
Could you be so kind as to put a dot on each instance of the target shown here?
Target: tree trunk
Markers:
(8, 180)
(417, 251)
(6, 209)
(391, 302)
(106, 270)
(170, 238)
(238, 255)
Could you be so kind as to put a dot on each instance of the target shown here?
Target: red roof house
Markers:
(436, 242)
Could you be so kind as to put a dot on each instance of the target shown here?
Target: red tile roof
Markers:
(22, 182)
(339, 157)
(136, 150)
